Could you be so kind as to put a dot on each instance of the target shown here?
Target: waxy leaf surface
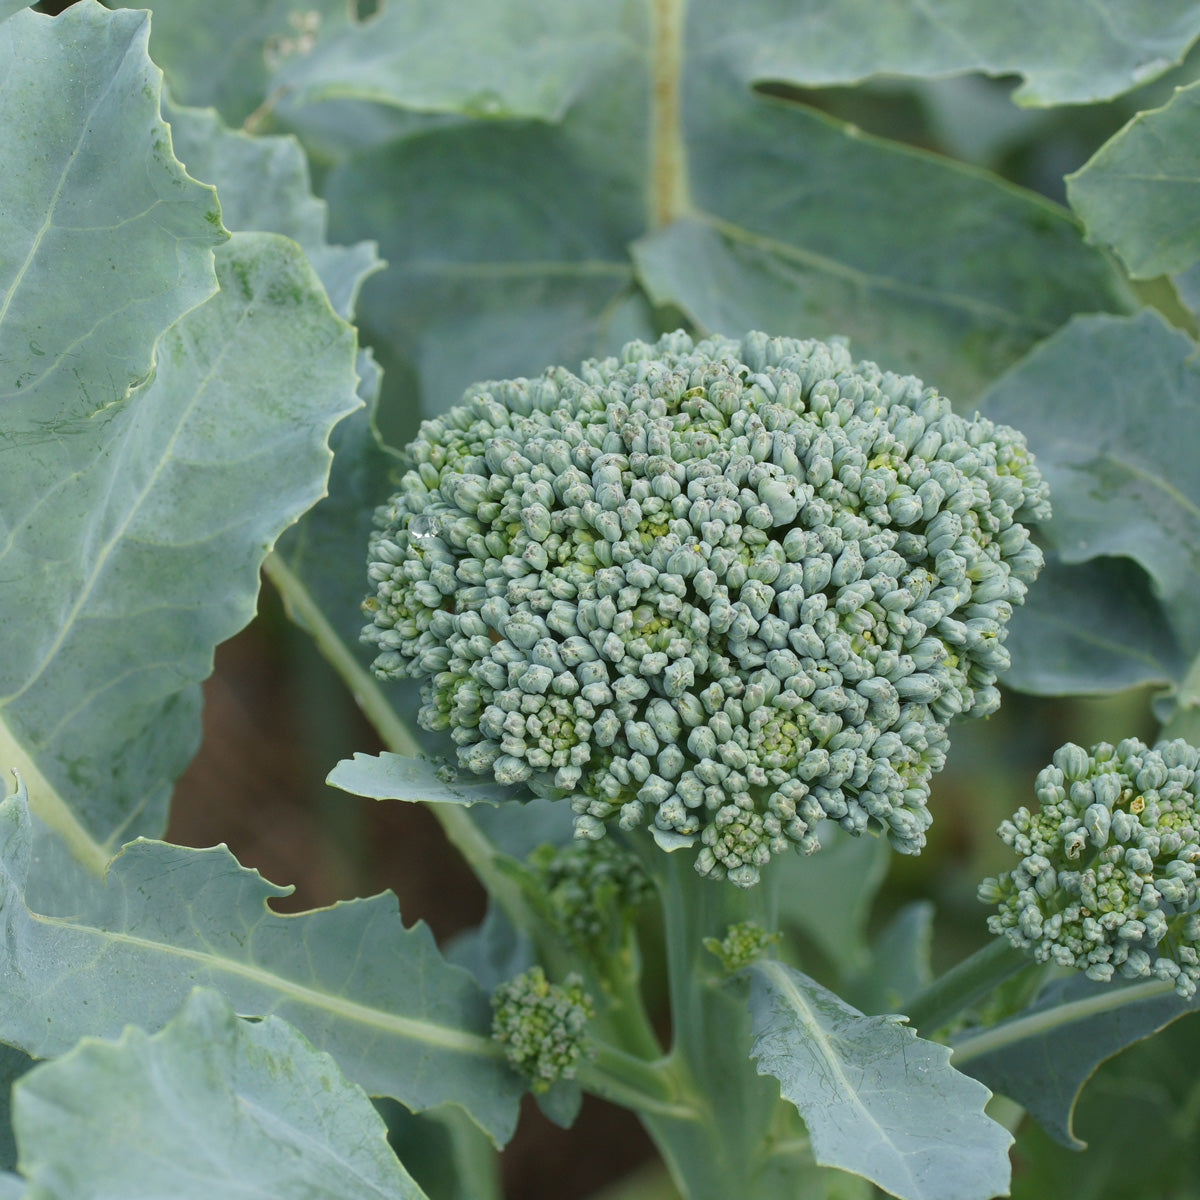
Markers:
(1043, 1056)
(379, 997)
(211, 1105)
(1140, 192)
(877, 1100)
(1111, 408)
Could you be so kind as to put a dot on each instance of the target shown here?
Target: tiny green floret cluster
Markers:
(1107, 878)
(542, 1025)
(743, 943)
(592, 888)
(723, 590)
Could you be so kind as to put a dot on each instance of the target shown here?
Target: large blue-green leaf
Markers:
(1091, 627)
(877, 1099)
(104, 240)
(1140, 192)
(137, 533)
(1043, 1056)
(1067, 52)
(1111, 408)
(399, 1020)
(209, 1106)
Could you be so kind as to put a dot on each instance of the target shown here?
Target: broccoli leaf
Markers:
(390, 776)
(1068, 53)
(807, 883)
(877, 1100)
(1111, 408)
(13, 1064)
(209, 1105)
(264, 187)
(1091, 627)
(1140, 192)
(379, 997)
(89, 181)
(1043, 1056)
(120, 584)
(12, 1187)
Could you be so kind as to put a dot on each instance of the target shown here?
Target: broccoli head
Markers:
(1107, 877)
(542, 1025)
(724, 590)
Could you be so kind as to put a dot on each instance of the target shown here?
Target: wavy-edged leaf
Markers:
(1140, 192)
(8, 7)
(1111, 408)
(389, 776)
(1090, 627)
(210, 1105)
(12, 1187)
(264, 187)
(1043, 1056)
(136, 535)
(1066, 52)
(104, 240)
(878, 1100)
(379, 997)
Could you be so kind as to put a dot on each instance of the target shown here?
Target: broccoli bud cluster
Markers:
(722, 590)
(1107, 878)
(542, 1025)
(592, 889)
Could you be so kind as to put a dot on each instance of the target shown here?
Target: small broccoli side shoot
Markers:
(542, 1025)
(1107, 877)
(722, 590)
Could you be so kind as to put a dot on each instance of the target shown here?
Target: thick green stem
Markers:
(724, 1147)
(964, 984)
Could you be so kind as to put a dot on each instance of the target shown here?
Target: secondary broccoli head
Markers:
(1107, 878)
(542, 1025)
(723, 590)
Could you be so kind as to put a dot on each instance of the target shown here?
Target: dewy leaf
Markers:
(1111, 408)
(211, 1105)
(1043, 1056)
(399, 1020)
(389, 776)
(877, 1100)
(136, 535)
(104, 240)
(1090, 627)
(1067, 52)
(1140, 192)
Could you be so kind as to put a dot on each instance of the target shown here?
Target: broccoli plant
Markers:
(705, 625)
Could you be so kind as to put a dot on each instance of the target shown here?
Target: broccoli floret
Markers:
(744, 941)
(722, 590)
(542, 1025)
(1107, 878)
(591, 888)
